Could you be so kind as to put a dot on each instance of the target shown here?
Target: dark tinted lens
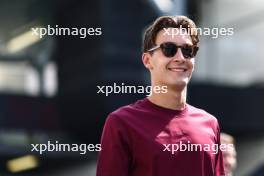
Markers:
(168, 49)
(187, 51)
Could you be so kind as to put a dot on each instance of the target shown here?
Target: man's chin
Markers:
(181, 84)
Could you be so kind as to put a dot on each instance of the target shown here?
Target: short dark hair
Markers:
(162, 22)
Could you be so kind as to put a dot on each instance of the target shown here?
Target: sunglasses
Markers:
(169, 49)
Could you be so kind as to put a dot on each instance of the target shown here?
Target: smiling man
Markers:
(155, 136)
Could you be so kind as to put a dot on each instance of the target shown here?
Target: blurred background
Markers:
(48, 86)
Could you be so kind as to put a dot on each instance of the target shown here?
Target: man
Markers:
(229, 156)
(152, 137)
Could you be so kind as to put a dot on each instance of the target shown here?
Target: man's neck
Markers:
(173, 99)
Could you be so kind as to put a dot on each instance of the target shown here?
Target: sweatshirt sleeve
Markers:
(219, 165)
(114, 157)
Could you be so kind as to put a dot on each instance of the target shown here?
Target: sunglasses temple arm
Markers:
(154, 48)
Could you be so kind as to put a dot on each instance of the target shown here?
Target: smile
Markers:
(178, 69)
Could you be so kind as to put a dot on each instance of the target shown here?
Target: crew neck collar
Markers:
(154, 106)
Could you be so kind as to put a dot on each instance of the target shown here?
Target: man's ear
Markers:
(146, 60)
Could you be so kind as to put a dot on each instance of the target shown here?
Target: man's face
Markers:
(173, 71)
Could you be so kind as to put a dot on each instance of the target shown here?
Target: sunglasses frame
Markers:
(193, 47)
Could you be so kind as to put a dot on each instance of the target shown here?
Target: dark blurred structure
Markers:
(238, 109)
(259, 171)
(85, 64)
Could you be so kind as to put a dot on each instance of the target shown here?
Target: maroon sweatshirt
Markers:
(143, 139)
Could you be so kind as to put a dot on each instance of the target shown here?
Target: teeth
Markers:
(178, 69)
